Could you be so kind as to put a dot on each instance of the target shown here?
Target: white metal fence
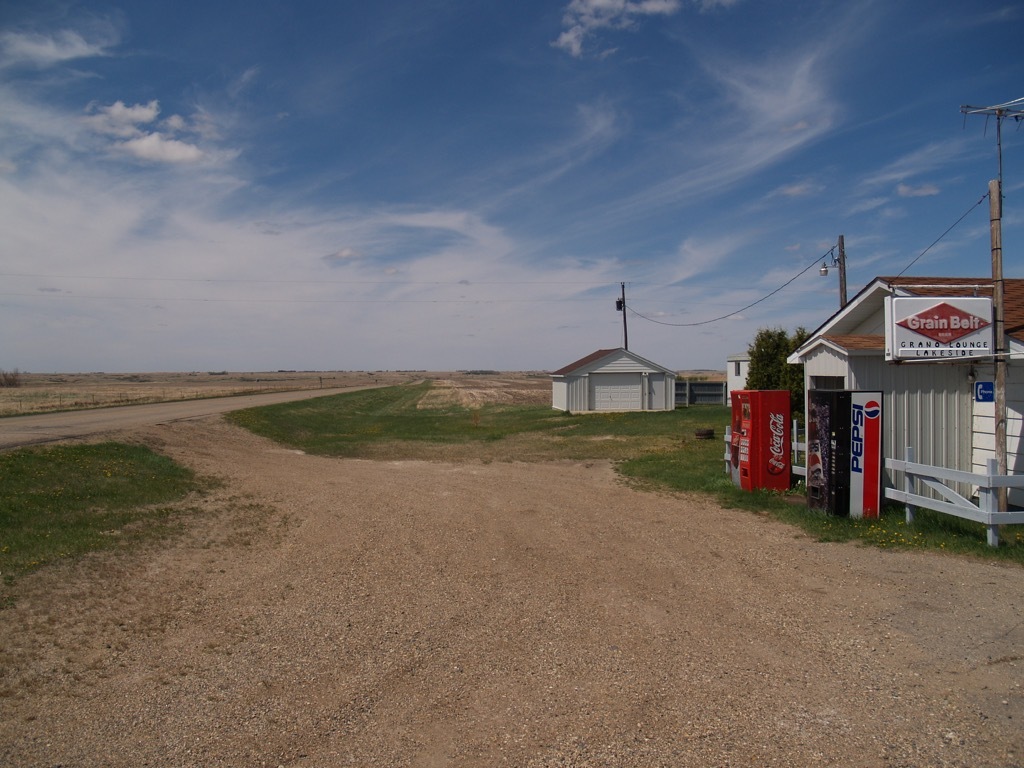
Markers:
(985, 511)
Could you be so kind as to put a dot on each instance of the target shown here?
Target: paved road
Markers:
(17, 431)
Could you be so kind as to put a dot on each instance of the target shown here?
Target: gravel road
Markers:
(16, 431)
(325, 612)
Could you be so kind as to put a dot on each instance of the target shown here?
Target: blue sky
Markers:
(452, 184)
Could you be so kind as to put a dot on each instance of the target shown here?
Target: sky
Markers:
(466, 184)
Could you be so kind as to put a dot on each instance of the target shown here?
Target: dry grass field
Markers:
(45, 392)
(42, 392)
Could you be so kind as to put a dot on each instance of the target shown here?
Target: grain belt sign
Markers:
(936, 328)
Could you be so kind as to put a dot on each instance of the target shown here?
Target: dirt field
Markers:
(323, 612)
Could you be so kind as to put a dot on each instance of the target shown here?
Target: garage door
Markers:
(616, 392)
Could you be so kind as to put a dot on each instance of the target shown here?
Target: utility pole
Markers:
(840, 263)
(842, 272)
(1014, 109)
(995, 208)
(620, 304)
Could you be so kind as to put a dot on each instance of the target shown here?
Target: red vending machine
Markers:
(761, 438)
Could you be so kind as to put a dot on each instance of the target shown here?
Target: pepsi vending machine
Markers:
(844, 452)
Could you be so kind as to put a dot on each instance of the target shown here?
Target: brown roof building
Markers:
(934, 406)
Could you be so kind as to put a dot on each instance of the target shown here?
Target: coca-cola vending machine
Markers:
(844, 452)
(761, 438)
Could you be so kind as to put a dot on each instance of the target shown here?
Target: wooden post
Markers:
(989, 501)
(625, 331)
(908, 485)
(995, 206)
(842, 272)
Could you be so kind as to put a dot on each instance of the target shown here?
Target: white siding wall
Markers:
(560, 394)
(825, 362)
(654, 389)
(578, 397)
(622, 364)
(733, 380)
(984, 429)
(926, 405)
(663, 388)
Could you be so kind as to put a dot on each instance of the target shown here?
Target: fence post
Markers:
(908, 484)
(988, 502)
(728, 452)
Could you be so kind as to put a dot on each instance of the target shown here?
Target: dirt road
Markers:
(325, 612)
(18, 431)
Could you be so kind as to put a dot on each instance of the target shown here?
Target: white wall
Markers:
(734, 380)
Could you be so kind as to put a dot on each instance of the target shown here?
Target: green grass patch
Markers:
(390, 422)
(701, 469)
(657, 449)
(62, 501)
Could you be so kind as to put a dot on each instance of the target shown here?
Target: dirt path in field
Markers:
(328, 612)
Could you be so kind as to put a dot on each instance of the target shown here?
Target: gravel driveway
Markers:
(326, 612)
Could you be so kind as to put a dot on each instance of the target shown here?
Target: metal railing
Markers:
(986, 511)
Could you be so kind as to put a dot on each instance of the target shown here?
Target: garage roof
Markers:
(588, 362)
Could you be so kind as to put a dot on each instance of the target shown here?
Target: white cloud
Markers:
(584, 17)
(121, 120)
(705, 255)
(174, 124)
(793, 108)
(156, 148)
(923, 190)
(870, 204)
(342, 256)
(797, 189)
(929, 158)
(24, 48)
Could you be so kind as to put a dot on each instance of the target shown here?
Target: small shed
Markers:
(613, 380)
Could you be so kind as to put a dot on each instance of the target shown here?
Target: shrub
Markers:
(10, 379)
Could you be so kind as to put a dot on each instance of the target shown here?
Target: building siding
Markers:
(638, 385)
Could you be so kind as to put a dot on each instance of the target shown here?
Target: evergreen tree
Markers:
(768, 366)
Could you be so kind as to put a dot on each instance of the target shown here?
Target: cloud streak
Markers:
(584, 18)
(42, 51)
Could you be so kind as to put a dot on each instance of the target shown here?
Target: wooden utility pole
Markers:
(842, 272)
(625, 331)
(995, 208)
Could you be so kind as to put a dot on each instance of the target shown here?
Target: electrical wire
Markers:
(791, 280)
(951, 227)
(742, 309)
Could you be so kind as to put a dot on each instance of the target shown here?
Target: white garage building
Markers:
(613, 380)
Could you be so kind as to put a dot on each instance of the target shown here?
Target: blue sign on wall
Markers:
(984, 392)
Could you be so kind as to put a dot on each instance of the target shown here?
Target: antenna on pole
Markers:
(1012, 109)
(1015, 110)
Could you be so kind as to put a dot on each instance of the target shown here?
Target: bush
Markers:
(10, 379)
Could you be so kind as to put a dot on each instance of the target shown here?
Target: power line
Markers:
(801, 272)
(951, 227)
(742, 309)
(157, 279)
(62, 295)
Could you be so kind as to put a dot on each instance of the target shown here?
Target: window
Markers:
(828, 382)
(736, 368)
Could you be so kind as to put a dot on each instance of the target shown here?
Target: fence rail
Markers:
(986, 511)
